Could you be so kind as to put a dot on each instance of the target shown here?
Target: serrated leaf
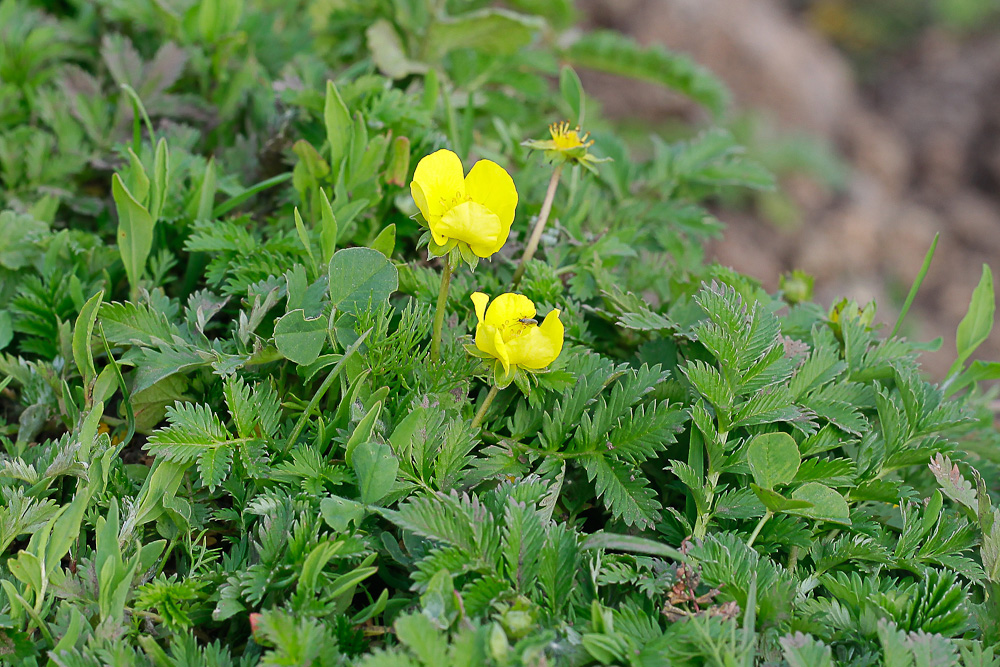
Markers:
(523, 539)
(418, 633)
(155, 364)
(491, 30)
(738, 504)
(833, 472)
(192, 430)
(557, 568)
(767, 406)
(135, 324)
(953, 483)
(623, 489)
(213, 465)
(255, 410)
(615, 53)
(802, 650)
(841, 414)
(710, 384)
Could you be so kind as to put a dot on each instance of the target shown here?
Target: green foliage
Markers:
(615, 53)
(224, 441)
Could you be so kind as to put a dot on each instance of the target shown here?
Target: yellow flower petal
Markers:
(470, 222)
(489, 340)
(489, 184)
(539, 345)
(420, 199)
(438, 182)
(503, 333)
(508, 308)
(480, 300)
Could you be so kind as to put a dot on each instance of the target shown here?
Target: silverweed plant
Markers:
(252, 412)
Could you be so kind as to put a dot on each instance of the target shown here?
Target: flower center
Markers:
(456, 199)
(566, 139)
(514, 328)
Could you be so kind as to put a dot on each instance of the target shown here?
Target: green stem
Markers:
(696, 459)
(760, 524)
(323, 388)
(536, 233)
(166, 557)
(442, 305)
(481, 413)
(793, 559)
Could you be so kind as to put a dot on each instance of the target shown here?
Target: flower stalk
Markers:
(481, 412)
(442, 304)
(536, 233)
(760, 524)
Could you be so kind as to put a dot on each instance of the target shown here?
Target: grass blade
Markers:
(233, 202)
(916, 284)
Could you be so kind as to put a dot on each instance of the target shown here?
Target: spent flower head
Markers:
(472, 213)
(567, 144)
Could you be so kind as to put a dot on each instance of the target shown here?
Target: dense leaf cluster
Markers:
(224, 442)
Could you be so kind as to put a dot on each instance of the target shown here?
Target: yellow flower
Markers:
(565, 139)
(477, 209)
(507, 331)
(566, 145)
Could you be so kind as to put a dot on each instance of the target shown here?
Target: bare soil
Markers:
(922, 137)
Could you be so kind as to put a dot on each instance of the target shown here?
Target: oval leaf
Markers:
(775, 502)
(339, 512)
(376, 467)
(828, 505)
(774, 459)
(490, 30)
(82, 333)
(359, 276)
(135, 230)
(6, 328)
(572, 91)
(977, 324)
(299, 339)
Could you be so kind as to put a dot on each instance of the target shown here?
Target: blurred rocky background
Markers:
(904, 95)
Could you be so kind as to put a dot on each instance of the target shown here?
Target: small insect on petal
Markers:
(509, 331)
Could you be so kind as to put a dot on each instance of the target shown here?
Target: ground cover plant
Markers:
(329, 335)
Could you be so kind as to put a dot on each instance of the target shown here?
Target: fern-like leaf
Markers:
(136, 324)
(612, 52)
(623, 489)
